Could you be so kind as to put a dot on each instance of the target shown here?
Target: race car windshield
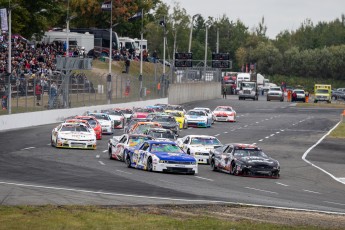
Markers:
(175, 114)
(127, 111)
(249, 153)
(74, 128)
(170, 148)
(101, 117)
(196, 113)
(205, 141)
(223, 109)
(92, 123)
(133, 141)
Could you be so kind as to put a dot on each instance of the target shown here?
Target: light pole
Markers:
(206, 35)
(191, 32)
(141, 54)
(110, 52)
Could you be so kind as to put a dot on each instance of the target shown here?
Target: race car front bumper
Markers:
(176, 168)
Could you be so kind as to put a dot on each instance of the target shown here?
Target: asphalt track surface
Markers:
(33, 172)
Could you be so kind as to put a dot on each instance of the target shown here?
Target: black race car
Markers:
(243, 159)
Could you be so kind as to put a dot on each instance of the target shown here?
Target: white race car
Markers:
(224, 113)
(208, 111)
(105, 121)
(73, 135)
(118, 119)
(198, 118)
(199, 146)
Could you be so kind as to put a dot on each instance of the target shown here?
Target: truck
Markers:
(322, 93)
(249, 89)
(101, 40)
(76, 40)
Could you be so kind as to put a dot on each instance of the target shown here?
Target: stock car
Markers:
(224, 113)
(118, 145)
(243, 159)
(73, 135)
(179, 117)
(94, 124)
(167, 122)
(161, 134)
(161, 156)
(127, 112)
(118, 119)
(175, 107)
(142, 126)
(208, 112)
(105, 122)
(199, 146)
(142, 112)
(198, 118)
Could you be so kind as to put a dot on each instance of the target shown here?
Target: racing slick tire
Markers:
(188, 151)
(213, 165)
(185, 125)
(233, 170)
(128, 161)
(191, 173)
(149, 165)
(110, 154)
(51, 141)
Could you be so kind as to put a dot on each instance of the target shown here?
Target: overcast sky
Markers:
(279, 14)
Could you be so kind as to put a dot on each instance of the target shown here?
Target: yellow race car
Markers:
(179, 117)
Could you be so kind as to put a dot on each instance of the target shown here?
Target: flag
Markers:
(3, 15)
(106, 6)
(136, 16)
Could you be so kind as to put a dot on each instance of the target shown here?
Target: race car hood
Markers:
(181, 157)
(203, 147)
(76, 135)
(104, 122)
(253, 160)
(168, 124)
(223, 113)
(194, 117)
(141, 114)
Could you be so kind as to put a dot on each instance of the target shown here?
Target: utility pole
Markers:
(109, 78)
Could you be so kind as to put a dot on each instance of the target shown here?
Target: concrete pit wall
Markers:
(188, 92)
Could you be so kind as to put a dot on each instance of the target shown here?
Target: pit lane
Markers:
(32, 172)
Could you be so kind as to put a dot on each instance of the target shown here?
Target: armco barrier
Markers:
(22, 120)
(193, 91)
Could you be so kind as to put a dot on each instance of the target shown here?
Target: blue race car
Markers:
(161, 156)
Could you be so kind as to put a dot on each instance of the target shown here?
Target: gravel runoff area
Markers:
(236, 213)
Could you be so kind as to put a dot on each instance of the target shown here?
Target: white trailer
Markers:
(77, 40)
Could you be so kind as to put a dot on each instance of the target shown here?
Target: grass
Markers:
(339, 132)
(91, 217)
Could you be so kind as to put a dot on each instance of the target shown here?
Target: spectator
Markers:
(128, 86)
(4, 96)
(127, 64)
(38, 93)
(154, 55)
(52, 95)
(224, 91)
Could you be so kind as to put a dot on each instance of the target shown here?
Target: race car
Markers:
(142, 126)
(142, 112)
(198, 118)
(199, 146)
(224, 113)
(105, 121)
(161, 134)
(118, 119)
(208, 112)
(161, 156)
(243, 159)
(167, 122)
(118, 145)
(179, 117)
(94, 124)
(175, 107)
(127, 112)
(73, 135)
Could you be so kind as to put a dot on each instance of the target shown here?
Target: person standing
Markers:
(127, 64)
(224, 91)
(128, 87)
(52, 95)
(38, 93)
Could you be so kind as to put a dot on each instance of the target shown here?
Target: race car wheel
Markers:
(149, 164)
(188, 151)
(213, 164)
(51, 141)
(233, 169)
(185, 125)
(192, 173)
(110, 154)
(128, 161)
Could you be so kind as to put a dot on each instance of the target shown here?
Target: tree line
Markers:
(312, 51)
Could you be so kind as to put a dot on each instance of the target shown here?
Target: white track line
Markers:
(311, 191)
(312, 147)
(203, 178)
(282, 184)
(277, 132)
(168, 198)
(272, 134)
(256, 189)
(329, 202)
(97, 156)
(123, 171)
(261, 140)
(101, 162)
(28, 148)
(105, 151)
(216, 135)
